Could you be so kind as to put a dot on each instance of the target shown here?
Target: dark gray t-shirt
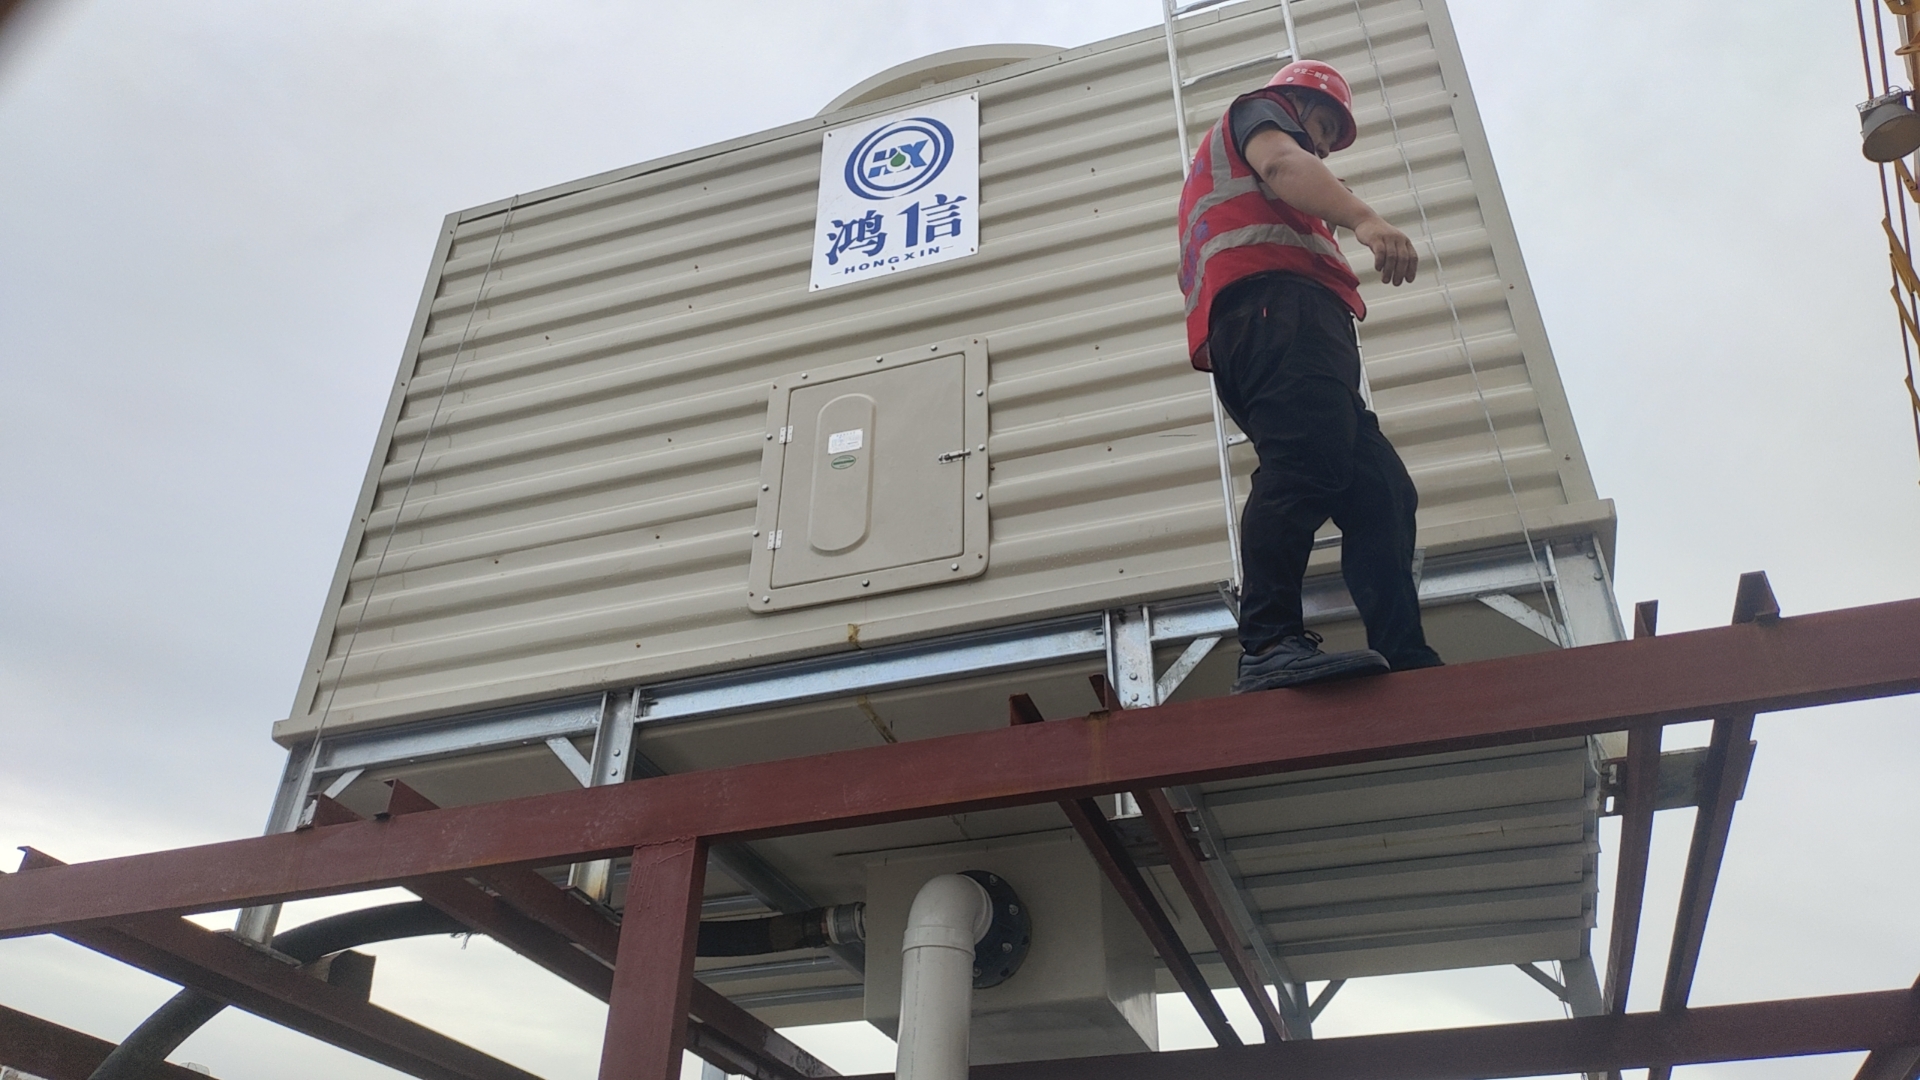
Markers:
(1253, 114)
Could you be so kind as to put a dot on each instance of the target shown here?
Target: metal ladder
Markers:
(1227, 881)
(1171, 15)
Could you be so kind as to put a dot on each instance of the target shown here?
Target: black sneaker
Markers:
(1297, 660)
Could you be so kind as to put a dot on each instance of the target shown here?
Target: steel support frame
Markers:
(1767, 665)
(1721, 779)
(1636, 846)
(1791, 663)
(49, 1050)
(540, 921)
(1580, 610)
(610, 718)
(1080, 638)
(1746, 1032)
(1177, 837)
(1109, 852)
(611, 761)
(1187, 835)
(653, 981)
(248, 977)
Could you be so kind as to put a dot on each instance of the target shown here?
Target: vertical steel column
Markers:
(612, 746)
(653, 979)
(1585, 591)
(1721, 777)
(1642, 776)
(257, 924)
(1129, 633)
(1636, 838)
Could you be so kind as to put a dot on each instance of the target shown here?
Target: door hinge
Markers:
(773, 540)
(786, 434)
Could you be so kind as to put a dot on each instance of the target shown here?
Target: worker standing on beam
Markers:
(1271, 304)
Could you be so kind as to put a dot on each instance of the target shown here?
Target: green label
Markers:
(844, 461)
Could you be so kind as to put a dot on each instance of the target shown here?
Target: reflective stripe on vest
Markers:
(1248, 235)
(1232, 215)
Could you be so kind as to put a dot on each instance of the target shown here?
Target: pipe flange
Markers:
(1001, 952)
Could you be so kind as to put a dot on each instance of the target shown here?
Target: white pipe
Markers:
(950, 914)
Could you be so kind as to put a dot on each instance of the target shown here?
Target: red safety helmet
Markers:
(1324, 79)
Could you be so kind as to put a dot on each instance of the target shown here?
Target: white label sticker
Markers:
(846, 442)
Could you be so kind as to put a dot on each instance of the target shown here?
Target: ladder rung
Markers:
(1258, 61)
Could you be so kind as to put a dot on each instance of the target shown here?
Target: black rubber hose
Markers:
(189, 1010)
(757, 937)
(352, 929)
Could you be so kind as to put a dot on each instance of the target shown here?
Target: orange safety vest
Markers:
(1230, 229)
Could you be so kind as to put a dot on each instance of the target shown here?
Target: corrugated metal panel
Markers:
(565, 485)
(1457, 860)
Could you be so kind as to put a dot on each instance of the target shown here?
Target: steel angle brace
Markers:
(267, 985)
(339, 760)
(1892, 1063)
(1728, 759)
(1197, 856)
(612, 758)
(1580, 991)
(575, 941)
(1210, 882)
(1745, 1032)
(1526, 615)
(1190, 839)
(43, 1048)
(1130, 639)
(1580, 607)
(1637, 796)
(1109, 852)
(752, 872)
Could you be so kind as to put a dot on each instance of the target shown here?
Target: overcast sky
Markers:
(214, 222)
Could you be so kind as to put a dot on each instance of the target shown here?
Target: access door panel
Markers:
(874, 478)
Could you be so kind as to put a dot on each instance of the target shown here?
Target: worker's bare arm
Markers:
(1303, 182)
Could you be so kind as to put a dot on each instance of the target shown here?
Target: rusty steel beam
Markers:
(252, 979)
(1785, 664)
(720, 1031)
(1110, 854)
(48, 1050)
(1636, 844)
(550, 926)
(1892, 1063)
(1767, 1029)
(1729, 754)
(647, 1018)
(1646, 618)
(1176, 842)
(1900, 1064)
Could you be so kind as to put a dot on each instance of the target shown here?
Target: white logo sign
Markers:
(898, 192)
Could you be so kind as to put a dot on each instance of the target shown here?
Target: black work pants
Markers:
(1287, 366)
